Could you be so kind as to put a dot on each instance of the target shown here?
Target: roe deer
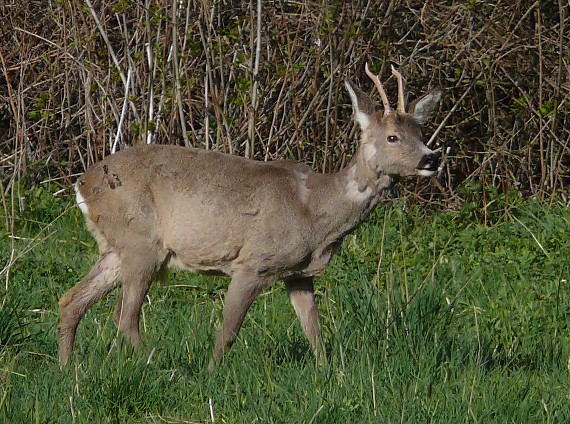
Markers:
(151, 207)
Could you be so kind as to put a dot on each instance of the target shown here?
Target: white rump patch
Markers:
(80, 200)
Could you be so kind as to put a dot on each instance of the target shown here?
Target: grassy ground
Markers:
(426, 316)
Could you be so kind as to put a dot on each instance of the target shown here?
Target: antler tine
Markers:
(401, 104)
(378, 84)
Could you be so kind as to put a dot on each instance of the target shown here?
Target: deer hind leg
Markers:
(241, 293)
(137, 273)
(73, 304)
(302, 296)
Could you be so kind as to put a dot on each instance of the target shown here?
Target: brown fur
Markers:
(157, 206)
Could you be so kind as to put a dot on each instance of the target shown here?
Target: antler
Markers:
(378, 84)
(401, 104)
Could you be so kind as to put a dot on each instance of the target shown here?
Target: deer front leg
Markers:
(241, 293)
(137, 274)
(302, 296)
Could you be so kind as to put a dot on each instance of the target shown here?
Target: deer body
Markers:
(156, 206)
(213, 212)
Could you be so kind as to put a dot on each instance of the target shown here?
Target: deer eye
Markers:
(393, 139)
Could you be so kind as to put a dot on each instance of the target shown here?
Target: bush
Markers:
(65, 101)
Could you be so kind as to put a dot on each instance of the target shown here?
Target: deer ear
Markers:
(361, 103)
(422, 108)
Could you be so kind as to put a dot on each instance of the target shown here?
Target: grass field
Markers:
(426, 316)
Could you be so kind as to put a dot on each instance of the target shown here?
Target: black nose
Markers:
(429, 162)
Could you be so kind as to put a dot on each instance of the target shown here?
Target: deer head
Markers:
(391, 141)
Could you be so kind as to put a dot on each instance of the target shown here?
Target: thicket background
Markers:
(265, 79)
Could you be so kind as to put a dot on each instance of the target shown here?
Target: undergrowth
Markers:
(427, 316)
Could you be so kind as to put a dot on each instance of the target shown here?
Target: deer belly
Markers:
(206, 257)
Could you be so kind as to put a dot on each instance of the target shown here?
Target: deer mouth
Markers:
(428, 165)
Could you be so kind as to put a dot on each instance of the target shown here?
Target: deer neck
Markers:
(344, 199)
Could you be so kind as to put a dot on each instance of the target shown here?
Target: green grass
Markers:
(426, 316)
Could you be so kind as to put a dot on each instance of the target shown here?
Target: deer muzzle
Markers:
(428, 164)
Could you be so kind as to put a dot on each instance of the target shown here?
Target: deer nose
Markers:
(429, 163)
